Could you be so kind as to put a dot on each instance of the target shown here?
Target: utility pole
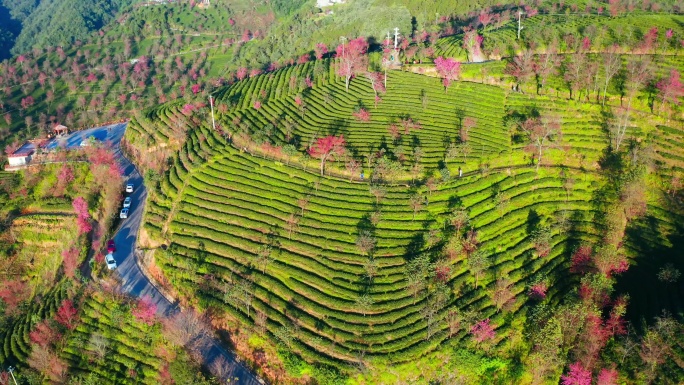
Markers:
(520, 27)
(396, 37)
(211, 103)
(11, 372)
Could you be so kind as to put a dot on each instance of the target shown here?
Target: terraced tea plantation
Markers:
(347, 273)
(328, 110)
(110, 346)
(539, 26)
(239, 224)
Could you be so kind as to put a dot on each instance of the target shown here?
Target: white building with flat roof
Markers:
(22, 156)
(327, 3)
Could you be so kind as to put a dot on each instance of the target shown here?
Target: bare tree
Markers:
(364, 303)
(221, 368)
(98, 344)
(477, 264)
(417, 203)
(291, 224)
(352, 165)
(502, 295)
(261, 320)
(378, 192)
(303, 203)
(611, 65)
(544, 132)
(185, 328)
(433, 306)
(366, 242)
(618, 125)
(546, 65)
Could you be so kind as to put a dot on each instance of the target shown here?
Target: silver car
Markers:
(123, 214)
(111, 262)
(127, 202)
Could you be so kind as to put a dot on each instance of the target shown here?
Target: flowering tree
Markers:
(608, 260)
(449, 69)
(13, 292)
(362, 114)
(483, 331)
(326, 148)
(538, 291)
(581, 259)
(376, 82)
(70, 256)
(241, 73)
(66, 314)
(472, 42)
(607, 377)
(320, 50)
(502, 296)
(671, 89)
(145, 310)
(43, 334)
(485, 18)
(577, 375)
(468, 124)
(27, 102)
(82, 215)
(351, 59)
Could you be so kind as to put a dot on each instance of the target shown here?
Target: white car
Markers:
(129, 188)
(127, 202)
(111, 262)
(124, 214)
(84, 143)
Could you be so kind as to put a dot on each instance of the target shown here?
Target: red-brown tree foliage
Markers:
(67, 315)
(13, 292)
(43, 334)
(70, 260)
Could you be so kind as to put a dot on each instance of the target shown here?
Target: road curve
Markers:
(133, 280)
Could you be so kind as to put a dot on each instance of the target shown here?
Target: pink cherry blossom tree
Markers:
(449, 69)
(483, 331)
(82, 215)
(145, 310)
(577, 375)
(351, 59)
(327, 148)
(671, 89)
(320, 50)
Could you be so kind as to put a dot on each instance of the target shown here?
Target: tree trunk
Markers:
(539, 159)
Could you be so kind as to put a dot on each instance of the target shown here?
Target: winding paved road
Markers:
(133, 280)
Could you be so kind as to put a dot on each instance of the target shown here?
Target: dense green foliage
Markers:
(56, 22)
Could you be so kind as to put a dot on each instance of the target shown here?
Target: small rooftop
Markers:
(26, 149)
